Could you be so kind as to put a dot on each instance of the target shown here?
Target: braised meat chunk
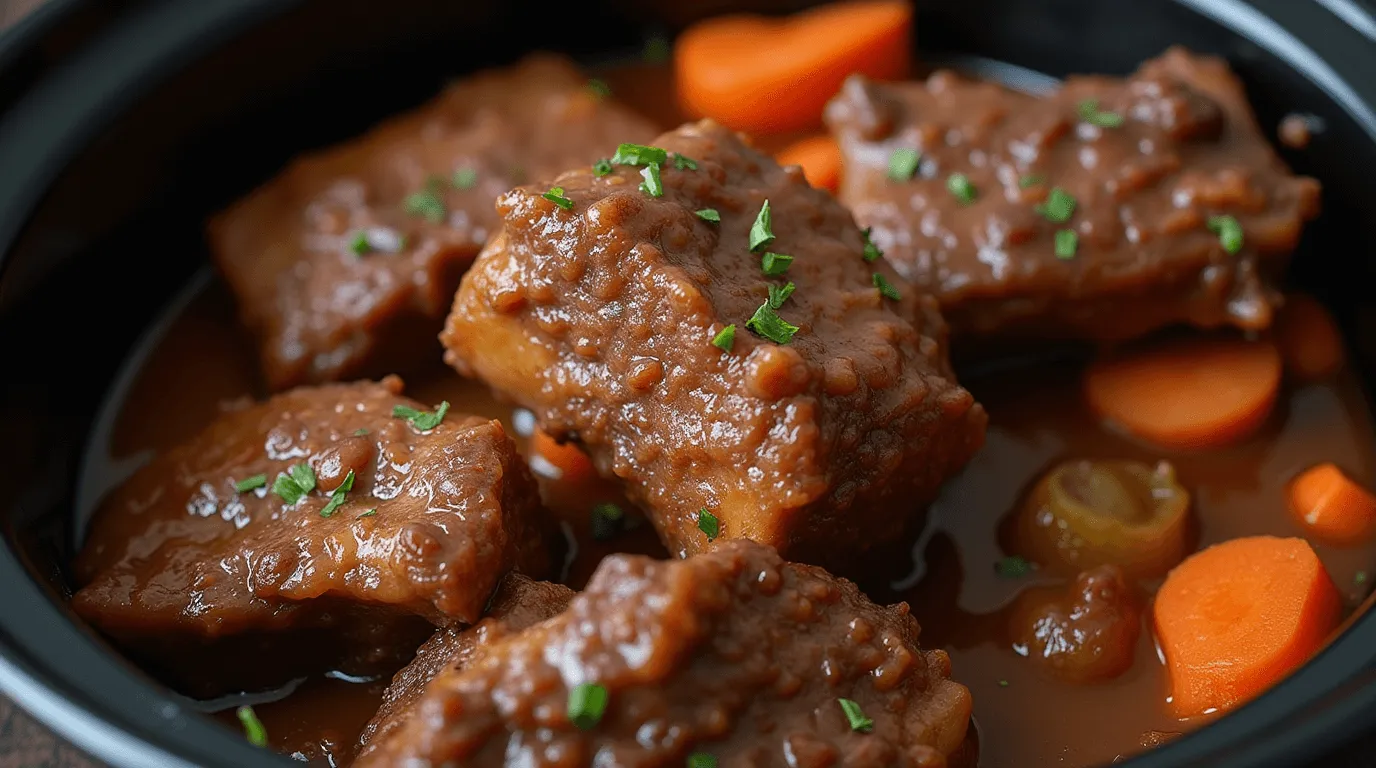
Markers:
(712, 330)
(345, 263)
(1101, 211)
(732, 653)
(339, 494)
(518, 603)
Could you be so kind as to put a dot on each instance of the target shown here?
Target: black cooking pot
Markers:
(123, 123)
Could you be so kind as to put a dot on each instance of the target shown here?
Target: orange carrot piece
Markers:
(1332, 508)
(1234, 619)
(820, 158)
(573, 465)
(770, 75)
(1187, 394)
(1309, 340)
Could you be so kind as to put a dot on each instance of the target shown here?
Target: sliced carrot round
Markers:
(772, 75)
(1236, 618)
(1309, 339)
(820, 159)
(572, 464)
(1187, 394)
(1332, 508)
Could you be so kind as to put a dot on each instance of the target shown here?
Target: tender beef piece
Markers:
(733, 652)
(323, 312)
(1189, 148)
(518, 603)
(433, 521)
(600, 319)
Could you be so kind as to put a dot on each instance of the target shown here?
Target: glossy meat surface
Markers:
(419, 190)
(1188, 149)
(518, 603)
(601, 320)
(1085, 632)
(733, 653)
(433, 520)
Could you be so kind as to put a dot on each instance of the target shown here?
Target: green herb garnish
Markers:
(871, 252)
(708, 214)
(249, 483)
(1031, 180)
(639, 154)
(465, 178)
(651, 186)
(1090, 113)
(1003, 683)
(725, 338)
(778, 294)
(254, 731)
(607, 519)
(685, 163)
(422, 420)
(1229, 232)
(599, 88)
(602, 167)
(775, 264)
(368, 513)
(768, 324)
(1359, 578)
(426, 203)
(1067, 242)
(1059, 206)
(903, 164)
(338, 496)
(587, 703)
(958, 184)
(556, 195)
(886, 288)
(762, 231)
(702, 760)
(295, 483)
(856, 717)
(360, 432)
(1013, 567)
(360, 244)
(709, 524)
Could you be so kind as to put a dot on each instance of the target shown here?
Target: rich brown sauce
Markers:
(1037, 418)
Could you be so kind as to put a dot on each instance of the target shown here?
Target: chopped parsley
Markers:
(360, 244)
(886, 288)
(762, 231)
(855, 716)
(685, 163)
(340, 493)
(465, 178)
(708, 214)
(1090, 113)
(1013, 567)
(1059, 206)
(775, 264)
(1067, 242)
(599, 88)
(778, 294)
(587, 703)
(1003, 683)
(702, 760)
(1031, 180)
(1359, 578)
(1229, 232)
(368, 513)
(422, 420)
(360, 432)
(959, 185)
(249, 483)
(709, 524)
(768, 324)
(651, 186)
(871, 252)
(426, 203)
(903, 164)
(607, 519)
(602, 167)
(254, 731)
(639, 154)
(725, 338)
(556, 195)
(295, 483)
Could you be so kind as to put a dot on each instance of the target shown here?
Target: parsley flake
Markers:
(651, 186)
(465, 178)
(762, 231)
(426, 203)
(1090, 113)
(639, 154)
(1229, 232)
(295, 483)
(709, 524)
(250, 483)
(767, 323)
(422, 420)
(607, 519)
(959, 185)
(778, 294)
(1059, 206)
(340, 493)
(685, 163)
(871, 252)
(1031, 180)
(369, 513)
(708, 214)
(903, 164)
(1067, 243)
(886, 288)
(702, 760)
(602, 167)
(725, 338)
(587, 703)
(775, 264)
(254, 731)
(360, 244)
(556, 195)
(855, 716)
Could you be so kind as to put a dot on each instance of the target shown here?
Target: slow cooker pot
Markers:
(124, 123)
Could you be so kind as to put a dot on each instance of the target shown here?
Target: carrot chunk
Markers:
(573, 465)
(1332, 508)
(1309, 340)
(1187, 394)
(820, 159)
(770, 75)
(1237, 617)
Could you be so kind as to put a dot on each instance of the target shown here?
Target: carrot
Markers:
(1333, 508)
(1309, 339)
(1187, 394)
(1234, 619)
(769, 75)
(573, 465)
(820, 158)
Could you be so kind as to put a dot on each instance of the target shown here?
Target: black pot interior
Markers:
(119, 231)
